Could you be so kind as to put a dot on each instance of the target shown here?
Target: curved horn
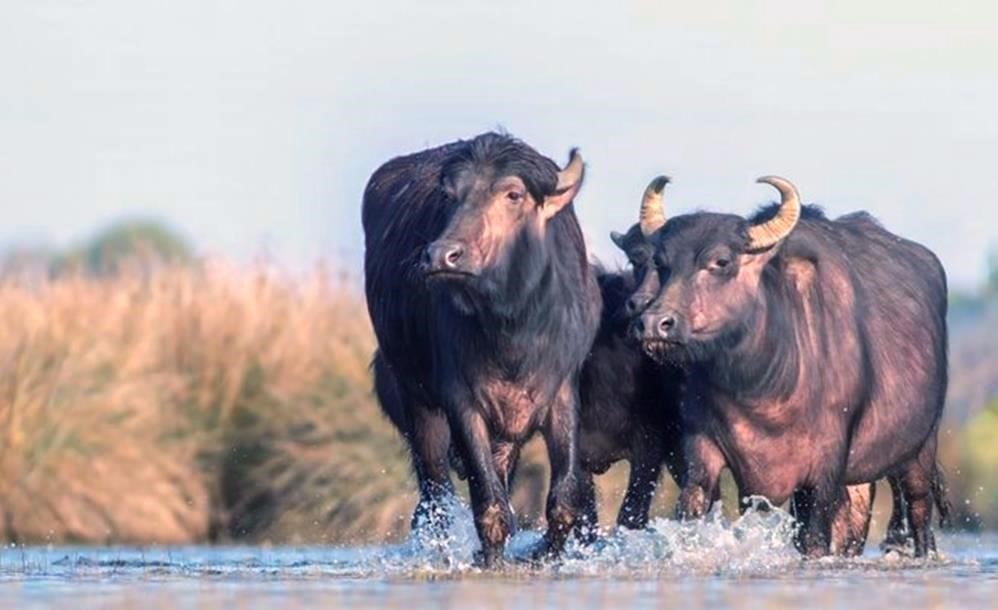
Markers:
(652, 215)
(767, 234)
(572, 174)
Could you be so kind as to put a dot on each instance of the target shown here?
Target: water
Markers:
(749, 563)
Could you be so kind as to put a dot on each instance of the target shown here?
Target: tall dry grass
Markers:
(211, 403)
(192, 403)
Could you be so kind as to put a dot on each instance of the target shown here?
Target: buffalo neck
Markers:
(533, 323)
(537, 285)
(761, 361)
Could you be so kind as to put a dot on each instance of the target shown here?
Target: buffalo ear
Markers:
(755, 262)
(569, 183)
(556, 202)
(617, 238)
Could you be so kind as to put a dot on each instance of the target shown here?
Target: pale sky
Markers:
(253, 126)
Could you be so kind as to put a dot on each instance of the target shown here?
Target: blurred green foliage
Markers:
(142, 243)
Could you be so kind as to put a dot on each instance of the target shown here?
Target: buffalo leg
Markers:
(429, 444)
(821, 503)
(646, 468)
(427, 433)
(489, 500)
(587, 525)
(897, 535)
(800, 508)
(917, 485)
(704, 462)
(505, 457)
(567, 495)
(851, 523)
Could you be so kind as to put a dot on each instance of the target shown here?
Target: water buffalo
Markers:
(815, 351)
(852, 522)
(629, 403)
(484, 306)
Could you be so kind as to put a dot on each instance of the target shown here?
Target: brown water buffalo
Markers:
(484, 306)
(851, 523)
(815, 353)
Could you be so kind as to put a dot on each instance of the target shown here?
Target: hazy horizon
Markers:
(254, 130)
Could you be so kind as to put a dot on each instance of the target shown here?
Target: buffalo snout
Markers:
(445, 257)
(657, 326)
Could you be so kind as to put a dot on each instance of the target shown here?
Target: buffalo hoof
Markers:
(489, 559)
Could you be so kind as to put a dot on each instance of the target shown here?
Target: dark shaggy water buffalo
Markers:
(816, 358)
(484, 306)
(629, 403)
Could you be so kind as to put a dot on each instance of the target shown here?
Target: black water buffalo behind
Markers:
(816, 358)
(484, 307)
(629, 403)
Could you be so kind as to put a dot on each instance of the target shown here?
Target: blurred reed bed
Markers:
(192, 403)
(206, 401)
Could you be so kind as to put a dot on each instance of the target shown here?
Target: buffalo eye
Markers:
(719, 265)
(514, 196)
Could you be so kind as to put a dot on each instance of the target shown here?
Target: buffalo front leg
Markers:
(704, 462)
(646, 468)
(489, 497)
(505, 457)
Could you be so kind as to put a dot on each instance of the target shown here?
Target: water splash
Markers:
(758, 541)
(444, 540)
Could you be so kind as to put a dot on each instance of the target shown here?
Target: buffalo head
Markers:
(502, 195)
(637, 245)
(709, 268)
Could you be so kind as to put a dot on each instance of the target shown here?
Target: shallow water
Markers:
(749, 563)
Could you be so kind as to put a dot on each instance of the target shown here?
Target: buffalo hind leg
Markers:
(851, 523)
(427, 433)
(430, 444)
(918, 482)
(898, 533)
(819, 504)
(489, 497)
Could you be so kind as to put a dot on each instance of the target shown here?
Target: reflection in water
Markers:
(748, 563)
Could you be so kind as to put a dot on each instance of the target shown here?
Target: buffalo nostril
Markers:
(453, 256)
(639, 327)
(666, 324)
